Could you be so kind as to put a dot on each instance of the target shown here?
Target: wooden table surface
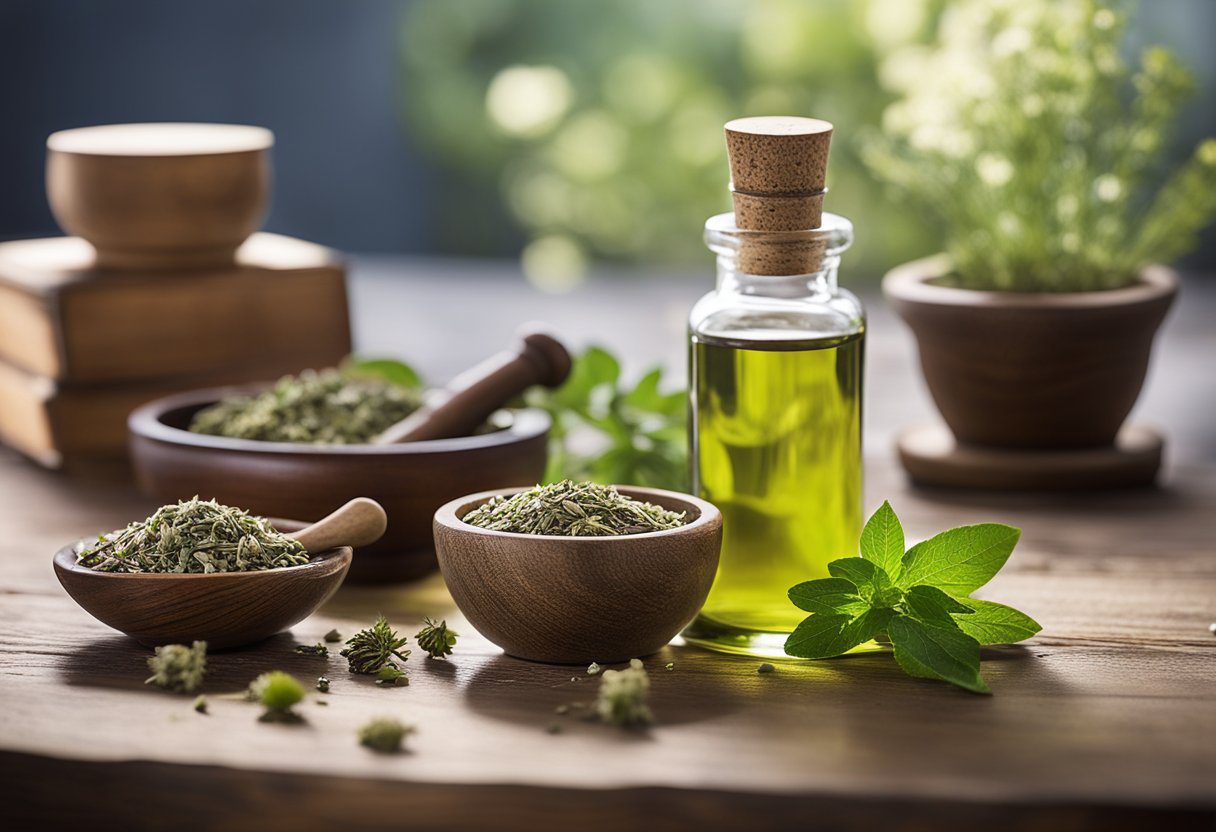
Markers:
(1106, 720)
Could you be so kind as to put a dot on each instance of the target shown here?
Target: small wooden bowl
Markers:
(160, 195)
(575, 600)
(224, 609)
(284, 479)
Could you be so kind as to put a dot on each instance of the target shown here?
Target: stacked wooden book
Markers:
(83, 343)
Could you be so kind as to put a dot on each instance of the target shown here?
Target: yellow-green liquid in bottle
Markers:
(776, 446)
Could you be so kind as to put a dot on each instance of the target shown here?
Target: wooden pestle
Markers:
(358, 523)
(472, 396)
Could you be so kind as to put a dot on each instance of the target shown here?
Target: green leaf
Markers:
(993, 623)
(959, 561)
(931, 605)
(882, 540)
(824, 636)
(386, 369)
(828, 596)
(645, 395)
(872, 582)
(932, 652)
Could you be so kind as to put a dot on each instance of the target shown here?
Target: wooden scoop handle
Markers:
(358, 523)
(472, 396)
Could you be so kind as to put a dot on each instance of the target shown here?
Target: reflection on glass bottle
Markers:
(775, 377)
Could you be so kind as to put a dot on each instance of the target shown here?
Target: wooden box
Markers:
(80, 347)
(284, 301)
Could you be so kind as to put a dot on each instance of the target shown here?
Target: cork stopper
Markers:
(778, 155)
(778, 166)
(781, 258)
(777, 213)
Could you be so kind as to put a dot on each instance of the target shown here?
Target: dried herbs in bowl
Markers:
(572, 509)
(194, 536)
(320, 407)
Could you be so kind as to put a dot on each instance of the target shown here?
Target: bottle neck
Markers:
(778, 264)
(819, 285)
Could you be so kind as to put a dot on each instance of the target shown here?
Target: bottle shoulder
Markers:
(731, 316)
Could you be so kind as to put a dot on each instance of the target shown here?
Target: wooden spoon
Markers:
(225, 609)
(470, 398)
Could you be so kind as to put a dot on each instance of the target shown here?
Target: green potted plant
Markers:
(1023, 129)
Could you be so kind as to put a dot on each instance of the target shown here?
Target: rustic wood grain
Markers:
(1104, 721)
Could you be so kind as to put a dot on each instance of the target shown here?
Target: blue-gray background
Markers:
(327, 78)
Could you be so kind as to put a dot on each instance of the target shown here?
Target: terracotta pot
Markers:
(160, 195)
(1032, 370)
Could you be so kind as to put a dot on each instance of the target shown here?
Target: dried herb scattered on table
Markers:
(573, 509)
(369, 650)
(384, 735)
(622, 696)
(317, 649)
(278, 692)
(391, 676)
(436, 640)
(325, 407)
(178, 667)
(194, 536)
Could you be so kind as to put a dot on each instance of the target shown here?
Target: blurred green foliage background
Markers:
(601, 123)
(595, 129)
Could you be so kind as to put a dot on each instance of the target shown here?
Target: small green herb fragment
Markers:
(384, 735)
(919, 600)
(765, 668)
(317, 649)
(436, 640)
(278, 692)
(323, 684)
(594, 669)
(200, 704)
(670, 665)
(572, 509)
(391, 676)
(333, 636)
(369, 650)
(622, 696)
(177, 667)
(194, 536)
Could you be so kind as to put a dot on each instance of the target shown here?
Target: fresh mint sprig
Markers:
(918, 600)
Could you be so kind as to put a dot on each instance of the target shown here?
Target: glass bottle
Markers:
(775, 393)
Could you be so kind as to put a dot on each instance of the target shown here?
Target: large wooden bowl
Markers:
(283, 479)
(160, 195)
(228, 609)
(575, 600)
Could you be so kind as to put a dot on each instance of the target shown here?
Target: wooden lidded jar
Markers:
(160, 196)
